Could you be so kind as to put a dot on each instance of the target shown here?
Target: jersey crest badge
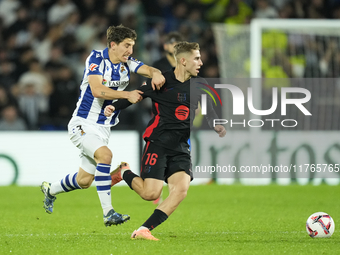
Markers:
(147, 169)
(181, 97)
(122, 69)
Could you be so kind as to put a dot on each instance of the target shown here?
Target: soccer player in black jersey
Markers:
(166, 155)
(166, 63)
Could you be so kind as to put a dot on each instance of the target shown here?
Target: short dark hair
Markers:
(183, 47)
(173, 37)
(119, 33)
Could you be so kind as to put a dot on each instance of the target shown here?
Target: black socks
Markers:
(155, 219)
(128, 177)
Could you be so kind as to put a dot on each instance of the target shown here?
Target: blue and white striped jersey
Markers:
(115, 76)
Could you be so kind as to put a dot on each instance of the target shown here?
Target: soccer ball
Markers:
(320, 225)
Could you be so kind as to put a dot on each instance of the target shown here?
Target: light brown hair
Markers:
(184, 47)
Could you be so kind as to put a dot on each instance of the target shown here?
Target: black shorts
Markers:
(160, 163)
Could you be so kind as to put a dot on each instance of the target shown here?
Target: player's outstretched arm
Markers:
(118, 105)
(157, 78)
(144, 92)
(100, 91)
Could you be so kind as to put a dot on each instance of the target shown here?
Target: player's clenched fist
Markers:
(157, 81)
(109, 110)
(135, 96)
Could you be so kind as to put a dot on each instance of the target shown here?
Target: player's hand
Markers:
(109, 109)
(135, 96)
(220, 130)
(157, 81)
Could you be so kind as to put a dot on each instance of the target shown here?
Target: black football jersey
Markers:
(173, 111)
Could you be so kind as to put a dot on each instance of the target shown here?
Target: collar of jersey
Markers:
(175, 79)
(173, 76)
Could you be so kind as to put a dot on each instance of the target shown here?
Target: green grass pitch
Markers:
(213, 219)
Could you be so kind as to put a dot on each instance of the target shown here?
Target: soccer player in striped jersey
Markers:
(106, 75)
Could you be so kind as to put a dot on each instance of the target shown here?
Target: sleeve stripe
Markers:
(138, 67)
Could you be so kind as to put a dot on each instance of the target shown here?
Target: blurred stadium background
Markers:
(44, 43)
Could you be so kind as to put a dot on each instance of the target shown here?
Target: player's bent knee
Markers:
(105, 159)
(85, 182)
(150, 196)
(180, 194)
(103, 155)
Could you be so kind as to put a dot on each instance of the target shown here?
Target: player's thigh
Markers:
(95, 147)
(178, 162)
(88, 138)
(153, 163)
(87, 165)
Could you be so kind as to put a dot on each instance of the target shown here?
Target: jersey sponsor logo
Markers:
(104, 82)
(182, 112)
(93, 67)
(117, 83)
(181, 97)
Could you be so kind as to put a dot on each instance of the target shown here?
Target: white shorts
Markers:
(88, 137)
